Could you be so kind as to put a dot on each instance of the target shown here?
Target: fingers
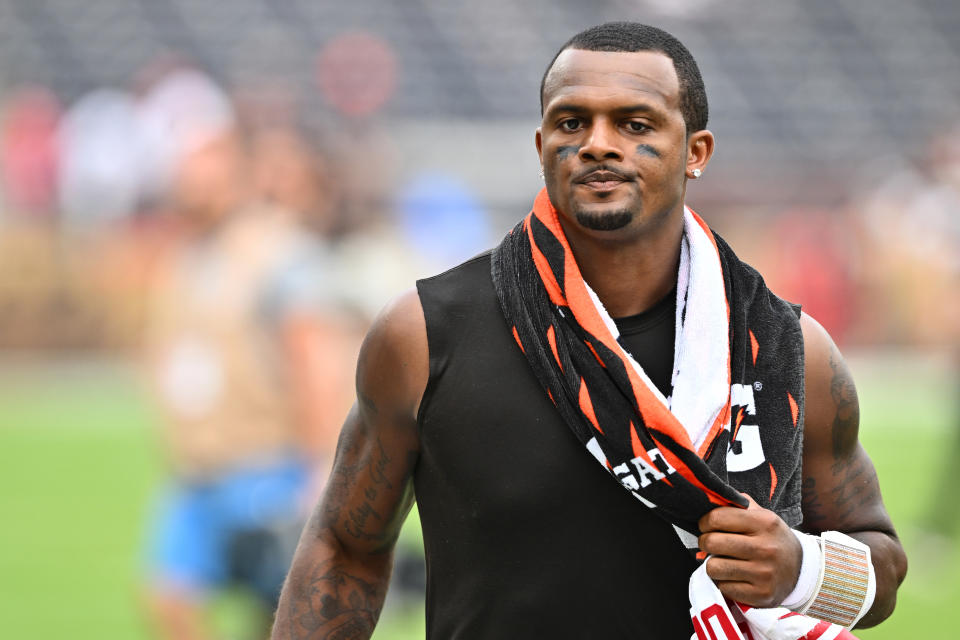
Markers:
(724, 519)
(735, 570)
(754, 557)
(760, 570)
(746, 593)
(728, 545)
(753, 519)
(747, 582)
(756, 548)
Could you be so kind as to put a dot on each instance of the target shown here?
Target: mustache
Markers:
(604, 171)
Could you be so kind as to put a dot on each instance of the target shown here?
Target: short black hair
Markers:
(633, 36)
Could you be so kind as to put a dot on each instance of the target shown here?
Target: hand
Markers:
(755, 557)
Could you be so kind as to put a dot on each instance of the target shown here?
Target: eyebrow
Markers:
(569, 107)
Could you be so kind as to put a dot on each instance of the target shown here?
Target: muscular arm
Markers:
(756, 557)
(339, 575)
(840, 487)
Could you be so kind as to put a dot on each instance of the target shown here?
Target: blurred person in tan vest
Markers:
(248, 364)
(909, 283)
(931, 223)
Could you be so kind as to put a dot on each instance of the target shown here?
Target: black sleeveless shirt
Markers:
(525, 535)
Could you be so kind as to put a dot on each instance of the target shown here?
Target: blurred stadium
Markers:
(399, 138)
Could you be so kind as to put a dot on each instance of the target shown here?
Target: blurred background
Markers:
(204, 202)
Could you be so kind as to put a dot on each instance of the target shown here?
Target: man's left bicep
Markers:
(840, 490)
(840, 487)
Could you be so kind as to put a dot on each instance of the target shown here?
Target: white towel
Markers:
(717, 618)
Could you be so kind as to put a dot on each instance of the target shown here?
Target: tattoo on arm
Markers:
(847, 419)
(812, 507)
(340, 571)
(340, 596)
(855, 486)
(361, 519)
(367, 403)
(335, 605)
(346, 466)
(357, 520)
(853, 481)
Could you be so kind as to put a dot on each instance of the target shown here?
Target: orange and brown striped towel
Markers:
(734, 338)
(611, 406)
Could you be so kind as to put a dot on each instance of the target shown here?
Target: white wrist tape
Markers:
(845, 582)
(848, 584)
(810, 567)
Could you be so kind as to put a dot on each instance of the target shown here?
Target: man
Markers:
(244, 356)
(497, 426)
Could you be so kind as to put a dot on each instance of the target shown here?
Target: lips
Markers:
(602, 180)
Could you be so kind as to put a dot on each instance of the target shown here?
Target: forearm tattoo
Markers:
(340, 595)
(333, 604)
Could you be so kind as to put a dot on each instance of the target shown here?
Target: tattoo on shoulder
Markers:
(847, 418)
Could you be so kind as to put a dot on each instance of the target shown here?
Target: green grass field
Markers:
(78, 463)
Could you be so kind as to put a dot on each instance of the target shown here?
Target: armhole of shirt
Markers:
(433, 347)
(797, 309)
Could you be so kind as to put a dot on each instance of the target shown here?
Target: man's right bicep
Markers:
(341, 567)
(370, 490)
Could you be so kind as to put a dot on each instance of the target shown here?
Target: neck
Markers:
(629, 275)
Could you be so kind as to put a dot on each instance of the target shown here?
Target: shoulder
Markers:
(461, 294)
(817, 344)
(454, 279)
(393, 365)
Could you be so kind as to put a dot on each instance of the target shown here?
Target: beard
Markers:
(605, 220)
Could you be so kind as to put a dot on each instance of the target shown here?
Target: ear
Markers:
(699, 150)
(539, 141)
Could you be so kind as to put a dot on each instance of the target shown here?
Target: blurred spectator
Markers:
(247, 362)
(911, 239)
(177, 112)
(289, 172)
(29, 151)
(442, 222)
(813, 257)
(928, 230)
(101, 155)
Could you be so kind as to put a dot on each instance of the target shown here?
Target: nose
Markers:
(601, 143)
